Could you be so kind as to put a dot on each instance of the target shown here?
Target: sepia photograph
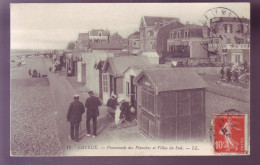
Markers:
(129, 79)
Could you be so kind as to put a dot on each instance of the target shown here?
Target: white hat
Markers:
(76, 95)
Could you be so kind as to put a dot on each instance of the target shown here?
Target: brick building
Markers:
(148, 31)
(229, 40)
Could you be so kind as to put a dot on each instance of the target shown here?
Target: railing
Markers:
(183, 54)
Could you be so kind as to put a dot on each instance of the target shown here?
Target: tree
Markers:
(71, 46)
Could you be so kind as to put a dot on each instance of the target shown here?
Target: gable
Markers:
(144, 80)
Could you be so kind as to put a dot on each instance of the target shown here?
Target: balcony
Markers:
(183, 54)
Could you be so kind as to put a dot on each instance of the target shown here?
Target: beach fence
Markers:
(205, 70)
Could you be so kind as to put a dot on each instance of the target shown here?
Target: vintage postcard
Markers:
(129, 79)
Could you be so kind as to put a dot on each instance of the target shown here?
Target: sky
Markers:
(53, 26)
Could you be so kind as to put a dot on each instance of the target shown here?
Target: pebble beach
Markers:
(33, 125)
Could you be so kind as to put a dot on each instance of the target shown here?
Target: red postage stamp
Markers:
(229, 131)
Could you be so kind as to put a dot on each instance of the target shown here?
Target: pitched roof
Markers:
(189, 26)
(169, 79)
(139, 68)
(230, 19)
(135, 34)
(120, 64)
(95, 32)
(150, 20)
(105, 46)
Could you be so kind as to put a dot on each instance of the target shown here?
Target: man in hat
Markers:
(92, 104)
(74, 115)
(111, 105)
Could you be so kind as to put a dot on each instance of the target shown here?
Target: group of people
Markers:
(231, 73)
(74, 115)
(120, 109)
(34, 73)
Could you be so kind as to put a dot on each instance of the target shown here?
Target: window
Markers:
(179, 34)
(171, 48)
(105, 83)
(172, 35)
(127, 89)
(228, 28)
(99, 34)
(186, 34)
(135, 43)
(180, 48)
(237, 59)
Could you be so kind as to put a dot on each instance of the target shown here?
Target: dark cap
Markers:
(91, 93)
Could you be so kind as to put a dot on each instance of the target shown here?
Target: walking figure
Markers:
(92, 104)
(222, 72)
(74, 116)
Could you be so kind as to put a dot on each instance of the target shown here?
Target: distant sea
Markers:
(20, 52)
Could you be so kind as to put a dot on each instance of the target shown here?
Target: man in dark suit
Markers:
(74, 115)
(92, 104)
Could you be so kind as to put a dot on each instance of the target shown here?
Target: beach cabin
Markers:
(113, 73)
(90, 71)
(129, 74)
(171, 104)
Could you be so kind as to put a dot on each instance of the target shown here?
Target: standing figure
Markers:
(222, 72)
(34, 73)
(92, 104)
(236, 75)
(229, 74)
(125, 108)
(74, 116)
(30, 72)
(111, 105)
